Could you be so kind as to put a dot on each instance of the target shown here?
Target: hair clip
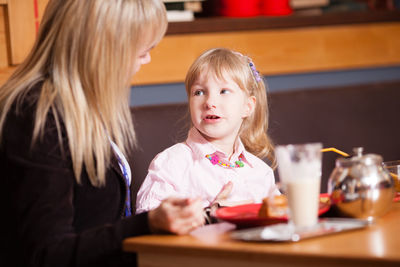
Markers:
(255, 72)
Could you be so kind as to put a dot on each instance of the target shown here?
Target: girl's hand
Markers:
(219, 201)
(176, 215)
(222, 195)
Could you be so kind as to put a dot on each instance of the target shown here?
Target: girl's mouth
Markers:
(212, 117)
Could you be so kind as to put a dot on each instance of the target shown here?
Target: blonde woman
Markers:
(66, 138)
(221, 160)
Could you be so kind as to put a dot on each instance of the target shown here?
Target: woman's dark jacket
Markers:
(48, 219)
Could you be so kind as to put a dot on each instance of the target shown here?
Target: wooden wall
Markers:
(3, 40)
(20, 19)
(283, 51)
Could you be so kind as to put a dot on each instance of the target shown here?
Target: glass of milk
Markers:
(299, 167)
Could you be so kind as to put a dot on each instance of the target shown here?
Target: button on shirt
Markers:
(184, 171)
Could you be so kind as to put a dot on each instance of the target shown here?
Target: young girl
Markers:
(229, 115)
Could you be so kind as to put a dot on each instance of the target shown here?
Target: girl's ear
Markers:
(250, 106)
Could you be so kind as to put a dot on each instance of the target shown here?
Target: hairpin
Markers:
(256, 74)
(254, 70)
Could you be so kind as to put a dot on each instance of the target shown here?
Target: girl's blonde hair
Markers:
(83, 57)
(223, 62)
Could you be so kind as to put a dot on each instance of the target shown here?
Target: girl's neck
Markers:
(228, 147)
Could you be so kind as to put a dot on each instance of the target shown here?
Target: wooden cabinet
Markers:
(19, 23)
(281, 45)
(3, 37)
(283, 51)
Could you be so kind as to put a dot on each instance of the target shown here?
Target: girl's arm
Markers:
(161, 182)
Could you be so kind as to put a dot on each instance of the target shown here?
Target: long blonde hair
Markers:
(221, 62)
(83, 57)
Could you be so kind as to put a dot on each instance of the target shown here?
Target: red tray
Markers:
(247, 215)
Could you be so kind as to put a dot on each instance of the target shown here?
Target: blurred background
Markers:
(295, 44)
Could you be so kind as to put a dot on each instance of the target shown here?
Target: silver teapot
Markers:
(360, 187)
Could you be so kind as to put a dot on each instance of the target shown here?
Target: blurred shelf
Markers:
(226, 24)
(281, 45)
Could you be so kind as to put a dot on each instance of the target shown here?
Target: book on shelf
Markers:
(315, 11)
(346, 5)
(308, 7)
(183, 10)
(179, 15)
(302, 4)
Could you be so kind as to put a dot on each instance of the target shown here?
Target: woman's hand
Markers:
(176, 215)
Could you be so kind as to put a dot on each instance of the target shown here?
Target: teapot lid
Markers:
(359, 158)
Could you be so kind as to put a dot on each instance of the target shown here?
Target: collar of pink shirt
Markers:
(201, 147)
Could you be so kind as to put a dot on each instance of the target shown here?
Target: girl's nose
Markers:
(210, 103)
(210, 106)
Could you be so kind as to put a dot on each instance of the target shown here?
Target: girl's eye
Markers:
(224, 91)
(198, 92)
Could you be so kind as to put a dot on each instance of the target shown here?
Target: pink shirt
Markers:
(184, 171)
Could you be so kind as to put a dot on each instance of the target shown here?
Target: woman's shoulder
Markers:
(19, 126)
(23, 110)
(24, 103)
(20, 117)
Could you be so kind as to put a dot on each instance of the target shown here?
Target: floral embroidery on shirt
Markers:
(215, 160)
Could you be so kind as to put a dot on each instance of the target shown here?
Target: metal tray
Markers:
(284, 232)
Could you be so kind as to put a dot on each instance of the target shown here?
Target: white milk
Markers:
(299, 169)
(302, 181)
(303, 199)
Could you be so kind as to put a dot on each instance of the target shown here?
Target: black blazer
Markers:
(48, 218)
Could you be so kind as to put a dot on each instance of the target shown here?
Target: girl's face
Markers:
(218, 107)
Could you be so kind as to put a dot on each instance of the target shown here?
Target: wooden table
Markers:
(377, 245)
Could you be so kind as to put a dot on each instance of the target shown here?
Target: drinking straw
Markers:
(394, 176)
(344, 154)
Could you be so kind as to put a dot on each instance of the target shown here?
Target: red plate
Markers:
(247, 215)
